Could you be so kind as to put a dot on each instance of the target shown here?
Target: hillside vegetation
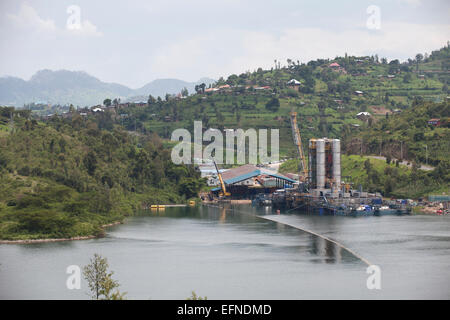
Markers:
(66, 178)
(327, 100)
(390, 179)
(407, 135)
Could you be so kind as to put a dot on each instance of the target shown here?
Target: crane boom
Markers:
(298, 142)
(222, 184)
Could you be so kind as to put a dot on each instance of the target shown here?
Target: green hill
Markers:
(407, 135)
(66, 178)
(327, 100)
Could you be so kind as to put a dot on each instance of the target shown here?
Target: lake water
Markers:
(233, 254)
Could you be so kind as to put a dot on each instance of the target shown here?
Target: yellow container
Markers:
(192, 203)
(161, 206)
(154, 206)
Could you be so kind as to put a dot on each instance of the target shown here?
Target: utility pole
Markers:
(401, 150)
(361, 146)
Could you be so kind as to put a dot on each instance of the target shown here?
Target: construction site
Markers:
(320, 189)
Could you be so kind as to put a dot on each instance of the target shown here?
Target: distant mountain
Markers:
(160, 87)
(80, 89)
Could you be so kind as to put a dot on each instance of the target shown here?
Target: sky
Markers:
(136, 41)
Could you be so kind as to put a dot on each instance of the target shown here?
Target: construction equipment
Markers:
(224, 192)
(298, 142)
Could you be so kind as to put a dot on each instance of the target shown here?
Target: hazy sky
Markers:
(133, 42)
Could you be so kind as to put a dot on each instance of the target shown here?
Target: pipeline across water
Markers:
(268, 218)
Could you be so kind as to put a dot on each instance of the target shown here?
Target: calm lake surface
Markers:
(233, 254)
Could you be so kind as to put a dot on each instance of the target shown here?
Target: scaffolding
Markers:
(298, 142)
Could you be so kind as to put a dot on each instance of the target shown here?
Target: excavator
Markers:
(223, 192)
(298, 142)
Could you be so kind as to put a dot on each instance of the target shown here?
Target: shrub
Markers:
(24, 171)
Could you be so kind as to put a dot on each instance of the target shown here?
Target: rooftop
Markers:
(247, 171)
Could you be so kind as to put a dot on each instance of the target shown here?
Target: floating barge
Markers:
(354, 205)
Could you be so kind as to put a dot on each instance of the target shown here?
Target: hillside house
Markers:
(293, 83)
(337, 67)
(435, 122)
(363, 116)
(224, 87)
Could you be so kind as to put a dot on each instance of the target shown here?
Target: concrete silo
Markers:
(337, 162)
(320, 149)
(324, 163)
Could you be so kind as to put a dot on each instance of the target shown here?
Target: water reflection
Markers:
(248, 219)
(231, 253)
(325, 248)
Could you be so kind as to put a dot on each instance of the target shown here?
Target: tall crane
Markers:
(298, 142)
(224, 192)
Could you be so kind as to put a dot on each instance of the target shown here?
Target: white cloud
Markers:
(413, 3)
(27, 18)
(223, 53)
(86, 29)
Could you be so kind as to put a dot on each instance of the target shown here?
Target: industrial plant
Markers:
(321, 189)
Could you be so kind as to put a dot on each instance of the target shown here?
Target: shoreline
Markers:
(31, 241)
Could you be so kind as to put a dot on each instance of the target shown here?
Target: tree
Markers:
(90, 162)
(388, 186)
(184, 92)
(100, 281)
(107, 102)
(190, 187)
(273, 104)
(109, 143)
(419, 58)
(62, 144)
(407, 78)
(194, 296)
(368, 166)
(151, 100)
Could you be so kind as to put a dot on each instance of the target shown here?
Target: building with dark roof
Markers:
(247, 180)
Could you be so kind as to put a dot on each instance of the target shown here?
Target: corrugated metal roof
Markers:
(249, 171)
